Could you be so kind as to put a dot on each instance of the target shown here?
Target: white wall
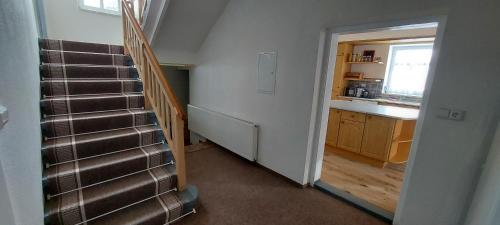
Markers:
(65, 20)
(447, 162)
(372, 70)
(224, 78)
(485, 207)
(5, 204)
(20, 92)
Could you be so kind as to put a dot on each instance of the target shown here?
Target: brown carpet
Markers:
(235, 191)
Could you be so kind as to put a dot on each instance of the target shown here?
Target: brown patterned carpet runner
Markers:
(106, 161)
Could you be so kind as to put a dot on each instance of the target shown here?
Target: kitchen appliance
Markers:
(359, 92)
(365, 94)
(350, 91)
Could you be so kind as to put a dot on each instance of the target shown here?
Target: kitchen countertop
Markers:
(378, 110)
(414, 104)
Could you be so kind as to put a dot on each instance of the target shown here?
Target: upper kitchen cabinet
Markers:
(344, 51)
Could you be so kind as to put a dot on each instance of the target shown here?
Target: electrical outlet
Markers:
(457, 115)
(443, 113)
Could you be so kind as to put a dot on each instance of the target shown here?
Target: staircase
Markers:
(106, 158)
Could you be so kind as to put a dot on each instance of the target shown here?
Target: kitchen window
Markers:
(103, 6)
(407, 69)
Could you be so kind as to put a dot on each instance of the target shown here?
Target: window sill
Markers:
(100, 11)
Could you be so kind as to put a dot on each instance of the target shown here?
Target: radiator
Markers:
(238, 136)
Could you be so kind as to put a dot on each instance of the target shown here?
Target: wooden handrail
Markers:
(158, 94)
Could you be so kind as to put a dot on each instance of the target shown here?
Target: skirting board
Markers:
(239, 136)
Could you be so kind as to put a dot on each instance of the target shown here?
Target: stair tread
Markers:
(107, 134)
(87, 80)
(102, 198)
(85, 58)
(100, 96)
(89, 87)
(66, 125)
(80, 71)
(91, 115)
(86, 53)
(159, 210)
(79, 46)
(80, 146)
(57, 105)
(62, 177)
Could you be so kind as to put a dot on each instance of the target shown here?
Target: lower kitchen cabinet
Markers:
(332, 132)
(350, 135)
(377, 137)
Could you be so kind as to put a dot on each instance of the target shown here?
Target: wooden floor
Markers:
(378, 186)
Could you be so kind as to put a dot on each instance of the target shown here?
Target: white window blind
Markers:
(407, 69)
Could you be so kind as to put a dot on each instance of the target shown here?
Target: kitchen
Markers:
(378, 84)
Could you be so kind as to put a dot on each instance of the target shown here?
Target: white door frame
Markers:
(323, 88)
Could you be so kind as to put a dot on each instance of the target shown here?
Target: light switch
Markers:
(458, 115)
(4, 116)
(451, 114)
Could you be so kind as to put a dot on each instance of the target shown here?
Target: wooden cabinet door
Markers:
(377, 137)
(344, 50)
(337, 89)
(350, 135)
(332, 131)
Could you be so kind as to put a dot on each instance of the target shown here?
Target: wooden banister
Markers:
(158, 94)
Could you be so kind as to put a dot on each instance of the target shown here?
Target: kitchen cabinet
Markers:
(350, 135)
(344, 50)
(377, 137)
(332, 131)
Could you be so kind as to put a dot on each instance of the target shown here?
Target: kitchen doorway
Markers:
(375, 86)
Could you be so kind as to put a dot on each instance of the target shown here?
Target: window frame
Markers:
(390, 64)
(101, 9)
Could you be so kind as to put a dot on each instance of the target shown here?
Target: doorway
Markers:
(368, 117)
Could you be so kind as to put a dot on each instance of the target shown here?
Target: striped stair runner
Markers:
(106, 160)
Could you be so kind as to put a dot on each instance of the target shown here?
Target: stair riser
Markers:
(61, 88)
(60, 106)
(61, 150)
(63, 178)
(119, 194)
(151, 211)
(62, 45)
(60, 128)
(87, 72)
(84, 58)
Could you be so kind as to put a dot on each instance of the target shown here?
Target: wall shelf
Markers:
(363, 79)
(381, 63)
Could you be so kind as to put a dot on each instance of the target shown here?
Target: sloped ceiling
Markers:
(183, 28)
